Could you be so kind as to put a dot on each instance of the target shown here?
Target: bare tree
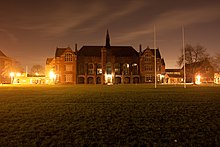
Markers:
(37, 69)
(216, 62)
(193, 55)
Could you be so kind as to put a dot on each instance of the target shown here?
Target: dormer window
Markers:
(68, 57)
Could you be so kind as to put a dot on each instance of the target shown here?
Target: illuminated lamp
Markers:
(198, 79)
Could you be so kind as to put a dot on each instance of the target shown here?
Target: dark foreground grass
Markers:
(118, 115)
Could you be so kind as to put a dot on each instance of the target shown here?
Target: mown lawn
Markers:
(118, 115)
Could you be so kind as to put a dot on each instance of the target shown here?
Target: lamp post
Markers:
(52, 76)
(12, 74)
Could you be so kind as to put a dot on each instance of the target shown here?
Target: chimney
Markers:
(76, 48)
(140, 48)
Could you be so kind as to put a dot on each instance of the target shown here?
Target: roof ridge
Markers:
(2, 54)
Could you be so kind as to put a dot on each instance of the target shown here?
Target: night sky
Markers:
(30, 30)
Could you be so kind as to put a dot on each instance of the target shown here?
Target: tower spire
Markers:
(107, 44)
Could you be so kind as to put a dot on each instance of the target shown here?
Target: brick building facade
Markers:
(105, 65)
(6, 66)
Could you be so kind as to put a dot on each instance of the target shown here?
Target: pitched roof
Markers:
(49, 60)
(90, 51)
(118, 51)
(163, 62)
(60, 51)
(124, 51)
(157, 53)
(198, 64)
(2, 54)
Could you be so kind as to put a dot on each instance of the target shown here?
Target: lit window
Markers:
(99, 69)
(109, 68)
(126, 68)
(117, 69)
(148, 78)
(68, 57)
(68, 77)
(135, 69)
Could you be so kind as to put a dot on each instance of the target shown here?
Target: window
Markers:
(158, 68)
(148, 68)
(90, 69)
(117, 69)
(68, 68)
(135, 69)
(147, 58)
(68, 57)
(99, 69)
(81, 69)
(126, 68)
(68, 77)
(109, 68)
(148, 78)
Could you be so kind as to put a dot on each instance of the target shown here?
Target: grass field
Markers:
(118, 115)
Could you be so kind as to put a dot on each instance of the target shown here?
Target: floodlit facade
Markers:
(105, 65)
(200, 72)
(217, 78)
(173, 76)
(61, 68)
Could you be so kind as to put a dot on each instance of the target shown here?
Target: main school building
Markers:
(105, 65)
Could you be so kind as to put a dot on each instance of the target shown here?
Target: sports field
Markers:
(118, 115)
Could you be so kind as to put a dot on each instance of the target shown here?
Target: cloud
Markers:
(60, 20)
(110, 15)
(88, 19)
(177, 18)
(174, 19)
(9, 35)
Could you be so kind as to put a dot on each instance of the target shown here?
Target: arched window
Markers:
(109, 68)
(99, 69)
(135, 69)
(81, 80)
(68, 57)
(117, 69)
(126, 68)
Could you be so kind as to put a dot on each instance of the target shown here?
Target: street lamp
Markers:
(52, 76)
(12, 74)
(198, 79)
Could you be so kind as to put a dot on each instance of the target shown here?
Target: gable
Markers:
(61, 51)
(152, 52)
